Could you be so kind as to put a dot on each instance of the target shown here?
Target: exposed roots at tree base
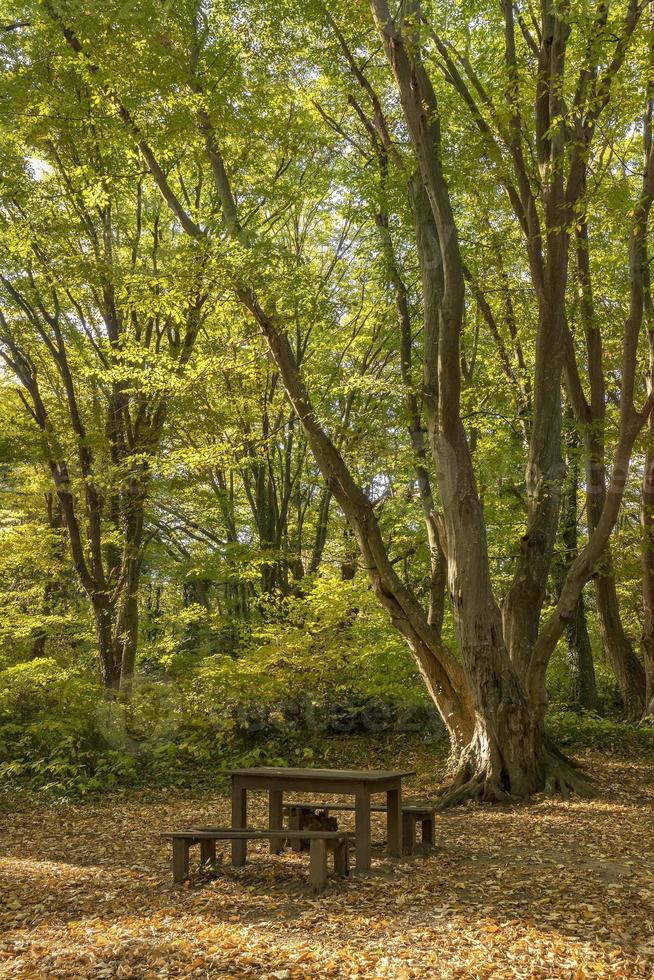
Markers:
(554, 775)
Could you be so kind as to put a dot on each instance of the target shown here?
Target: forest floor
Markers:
(555, 889)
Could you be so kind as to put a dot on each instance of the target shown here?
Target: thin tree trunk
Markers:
(647, 530)
(126, 633)
(626, 667)
(320, 538)
(52, 586)
(580, 653)
(647, 493)
(109, 660)
(580, 660)
(628, 670)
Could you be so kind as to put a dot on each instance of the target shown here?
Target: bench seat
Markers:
(319, 842)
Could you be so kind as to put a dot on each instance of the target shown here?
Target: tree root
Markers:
(554, 775)
(566, 777)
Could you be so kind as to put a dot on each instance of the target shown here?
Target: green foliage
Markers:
(324, 663)
(587, 730)
(48, 730)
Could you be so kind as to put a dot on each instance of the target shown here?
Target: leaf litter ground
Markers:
(557, 889)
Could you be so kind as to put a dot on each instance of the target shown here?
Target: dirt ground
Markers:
(551, 890)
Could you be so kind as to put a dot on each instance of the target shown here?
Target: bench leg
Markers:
(318, 865)
(428, 832)
(207, 851)
(276, 818)
(180, 860)
(342, 858)
(408, 833)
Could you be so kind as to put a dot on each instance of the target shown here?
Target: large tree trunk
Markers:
(544, 474)
(507, 755)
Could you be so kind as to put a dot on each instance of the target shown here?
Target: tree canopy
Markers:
(327, 341)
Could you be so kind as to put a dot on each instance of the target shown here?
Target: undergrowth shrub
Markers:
(315, 666)
(587, 730)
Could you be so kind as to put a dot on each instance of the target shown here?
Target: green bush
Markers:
(59, 732)
(316, 665)
(587, 730)
(49, 735)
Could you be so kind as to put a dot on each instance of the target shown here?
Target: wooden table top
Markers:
(337, 775)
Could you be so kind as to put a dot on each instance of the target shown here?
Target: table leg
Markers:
(362, 828)
(239, 820)
(276, 817)
(394, 822)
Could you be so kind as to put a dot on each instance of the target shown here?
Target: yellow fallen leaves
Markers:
(553, 890)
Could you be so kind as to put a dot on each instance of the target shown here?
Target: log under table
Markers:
(361, 784)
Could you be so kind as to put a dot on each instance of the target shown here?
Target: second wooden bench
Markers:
(412, 815)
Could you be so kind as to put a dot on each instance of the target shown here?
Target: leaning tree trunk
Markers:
(440, 671)
(628, 670)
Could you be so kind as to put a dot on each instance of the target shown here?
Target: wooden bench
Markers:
(412, 815)
(319, 842)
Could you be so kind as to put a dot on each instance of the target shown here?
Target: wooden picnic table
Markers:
(359, 783)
